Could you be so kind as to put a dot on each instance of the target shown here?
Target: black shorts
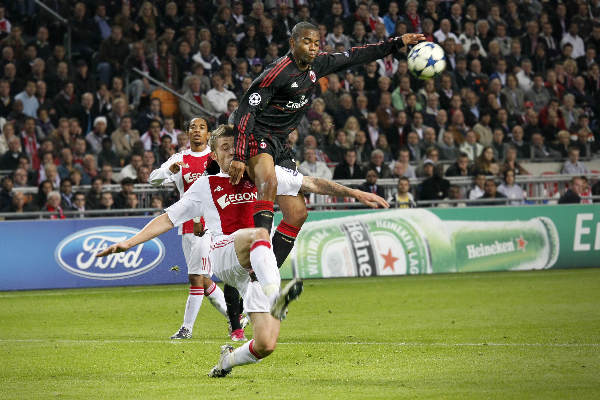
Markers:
(276, 146)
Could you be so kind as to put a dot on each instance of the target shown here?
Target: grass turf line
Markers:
(491, 335)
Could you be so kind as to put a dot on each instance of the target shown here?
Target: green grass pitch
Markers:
(525, 335)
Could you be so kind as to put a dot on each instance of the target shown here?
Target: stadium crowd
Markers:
(522, 83)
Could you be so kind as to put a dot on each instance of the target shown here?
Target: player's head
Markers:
(197, 131)
(221, 145)
(304, 42)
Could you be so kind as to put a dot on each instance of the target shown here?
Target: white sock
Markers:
(217, 298)
(192, 306)
(241, 356)
(264, 264)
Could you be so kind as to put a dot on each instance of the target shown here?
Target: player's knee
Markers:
(206, 283)
(265, 346)
(260, 234)
(297, 216)
(196, 280)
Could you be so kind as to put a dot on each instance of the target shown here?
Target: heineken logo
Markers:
(484, 250)
(357, 234)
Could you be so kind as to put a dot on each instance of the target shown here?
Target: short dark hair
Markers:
(301, 27)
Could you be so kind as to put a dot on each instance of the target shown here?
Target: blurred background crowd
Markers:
(522, 83)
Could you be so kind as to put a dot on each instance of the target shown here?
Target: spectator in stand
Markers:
(434, 187)
(447, 148)
(151, 138)
(66, 194)
(538, 94)
(510, 162)
(95, 137)
(574, 193)
(564, 142)
(106, 203)
(573, 166)
(218, 96)
(107, 156)
(337, 149)
(510, 190)
(491, 192)
(30, 102)
(370, 185)
(539, 150)
(478, 187)
(10, 159)
(130, 170)
(486, 163)
(518, 143)
(120, 200)
(79, 205)
(195, 96)
(471, 147)
(403, 197)
(7, 193)
(586, 142)
(124, 137)
(53, 206)
(460, 167)
(454, 193)
(348, 168)
(313, 167)
(378, 165)
(20, 178)
(94, 196)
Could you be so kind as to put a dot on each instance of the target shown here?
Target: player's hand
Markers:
(199, 229)
(174, 168)
(115, 248)
(236, 171)
(412, 38)
(370, 199)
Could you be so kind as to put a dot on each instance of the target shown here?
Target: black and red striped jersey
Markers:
(278, 99)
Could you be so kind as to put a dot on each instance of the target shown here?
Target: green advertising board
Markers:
(425, 241)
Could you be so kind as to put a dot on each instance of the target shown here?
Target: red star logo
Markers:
(521, 243)
(389, 260)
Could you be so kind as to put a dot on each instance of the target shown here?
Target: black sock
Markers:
(232, 300)
(263, 214)
(283, 241)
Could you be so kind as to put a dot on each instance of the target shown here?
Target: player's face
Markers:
(306, 48)
(198, 131)
(223, 154)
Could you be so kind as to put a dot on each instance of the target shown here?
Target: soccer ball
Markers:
(426, 60)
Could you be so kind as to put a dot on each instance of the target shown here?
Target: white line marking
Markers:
(212, 341)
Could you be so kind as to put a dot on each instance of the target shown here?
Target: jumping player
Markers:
(273, 106)
(183, 169)
(236, 248)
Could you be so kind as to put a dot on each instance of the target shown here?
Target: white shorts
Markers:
(195, 250)
(226, 266)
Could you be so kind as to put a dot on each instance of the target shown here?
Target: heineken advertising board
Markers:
(427, 241)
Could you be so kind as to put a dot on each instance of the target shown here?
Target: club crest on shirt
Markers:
(254, 99)
(263, 145)
(313, 76)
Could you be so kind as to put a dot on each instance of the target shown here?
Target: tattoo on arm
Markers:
(324, 186)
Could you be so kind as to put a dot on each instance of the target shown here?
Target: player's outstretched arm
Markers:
(154, 228)
(324, 186)
(164, 173)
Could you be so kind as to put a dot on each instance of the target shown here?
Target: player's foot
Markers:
(290, 292)
(238, 335)
(182, 333)
(244, 320)
(218, 371)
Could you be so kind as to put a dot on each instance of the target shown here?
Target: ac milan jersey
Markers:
(277, 100)
(194, 166)
(227, 208)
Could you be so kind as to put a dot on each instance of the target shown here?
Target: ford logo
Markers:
(76, 254)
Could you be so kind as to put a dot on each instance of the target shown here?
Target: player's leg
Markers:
(253, 250)
(261, 169)
(211, 291)
(196, 294)
(294, 214)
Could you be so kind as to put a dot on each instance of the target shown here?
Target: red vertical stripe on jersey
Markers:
(270, 77)
(193, 167)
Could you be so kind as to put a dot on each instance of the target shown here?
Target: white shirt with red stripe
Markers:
(227, 208)
(194, 166)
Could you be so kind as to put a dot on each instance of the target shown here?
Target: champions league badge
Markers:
(313, 76)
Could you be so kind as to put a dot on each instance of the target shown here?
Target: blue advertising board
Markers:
(48, 254)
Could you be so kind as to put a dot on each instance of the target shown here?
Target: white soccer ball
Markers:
(426, 60)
